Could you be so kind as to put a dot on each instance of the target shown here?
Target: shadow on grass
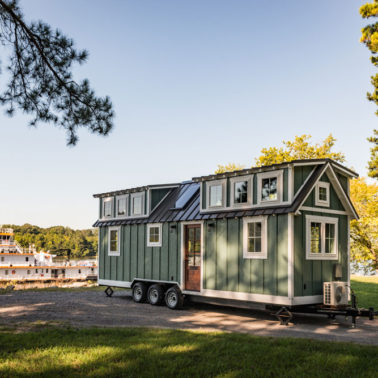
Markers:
(171, 353)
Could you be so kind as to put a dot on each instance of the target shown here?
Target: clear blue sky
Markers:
(194, 84)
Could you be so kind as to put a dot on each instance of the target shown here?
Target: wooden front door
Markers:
(192, 257)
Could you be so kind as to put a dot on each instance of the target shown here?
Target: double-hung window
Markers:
(216, 194)
(322, 194)
(321, 238)
(269, 187)
(154, 235)
(241, 191)
(114, 241)
(122, 202)
(107, 208)
(255, 238)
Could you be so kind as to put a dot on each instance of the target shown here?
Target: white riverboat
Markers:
(17, 263)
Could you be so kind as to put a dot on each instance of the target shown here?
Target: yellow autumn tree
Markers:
(230, 167)
(364, 231)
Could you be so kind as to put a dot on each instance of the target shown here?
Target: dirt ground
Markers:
(94, 309)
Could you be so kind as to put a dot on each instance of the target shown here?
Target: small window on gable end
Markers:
(255, 238)
(114, 241)
(122, 206)
(322, 194)
(154, 235)
(108, 204)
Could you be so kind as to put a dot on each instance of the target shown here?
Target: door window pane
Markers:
(315, 237)
(241, 192)
(269, 189)
(216, 195)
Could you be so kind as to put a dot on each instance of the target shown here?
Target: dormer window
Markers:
(216, 194)
(122, 202)
(241, 191)
(137, 204)
(322, 194)
(269, 187)
(108, 204)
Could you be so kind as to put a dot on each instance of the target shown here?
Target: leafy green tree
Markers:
(364, 231)
(373, 163)
(370, 39)
(41, 82)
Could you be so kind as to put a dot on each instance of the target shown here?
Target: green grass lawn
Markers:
(366, 289)
(172, 353)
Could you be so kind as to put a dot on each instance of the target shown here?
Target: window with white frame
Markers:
(322, 194)
(255, 238)
(107, 208)
(114, 242)
(321, 238)
(269, 187)
(241, 191)
(216, 193)
(137, 204)
(121, 210)
(154, 235)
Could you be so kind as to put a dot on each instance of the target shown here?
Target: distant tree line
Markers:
(59, 240)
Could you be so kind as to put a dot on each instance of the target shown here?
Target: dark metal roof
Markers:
(248, 171)
(166, 211)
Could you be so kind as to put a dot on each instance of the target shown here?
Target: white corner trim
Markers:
(158, 243)
(233, 181)
(117, 252)
(271, 174)
(264, 238)
(318, 201)
(114, 283)
(323, 255)
(290, 256)
(290, 184)
(182, 262)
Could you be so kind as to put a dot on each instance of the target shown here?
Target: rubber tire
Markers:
(155, 295)
(174, 298)
(139, 292)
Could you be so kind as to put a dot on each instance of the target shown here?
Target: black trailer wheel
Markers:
(155, 294)
(140, 292)
(173, 298)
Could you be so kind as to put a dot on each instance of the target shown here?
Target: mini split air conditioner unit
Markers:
(335, 293)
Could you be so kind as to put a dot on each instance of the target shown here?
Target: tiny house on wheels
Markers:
(273, 234)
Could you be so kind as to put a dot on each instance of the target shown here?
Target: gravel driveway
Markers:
(93, 308)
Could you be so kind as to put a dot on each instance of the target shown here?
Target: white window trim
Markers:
(135, 195)
(264, 238)
(209, 184)
(114, 253)
(126, 196)
(319, 202)
(322, 221)
(158, 243)
(107, 199)
(260, 177)
(233, 181)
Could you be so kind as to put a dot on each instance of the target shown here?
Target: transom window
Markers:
(269, 189)
(321, 234)
(108, 207)
(255, 237)
(216, 195)
(122, 206)
(113, 248)
(322, 194)
(154, 235)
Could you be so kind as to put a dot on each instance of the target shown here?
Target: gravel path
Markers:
(93, 308)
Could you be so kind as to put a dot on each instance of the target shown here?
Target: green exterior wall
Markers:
(309, 275)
